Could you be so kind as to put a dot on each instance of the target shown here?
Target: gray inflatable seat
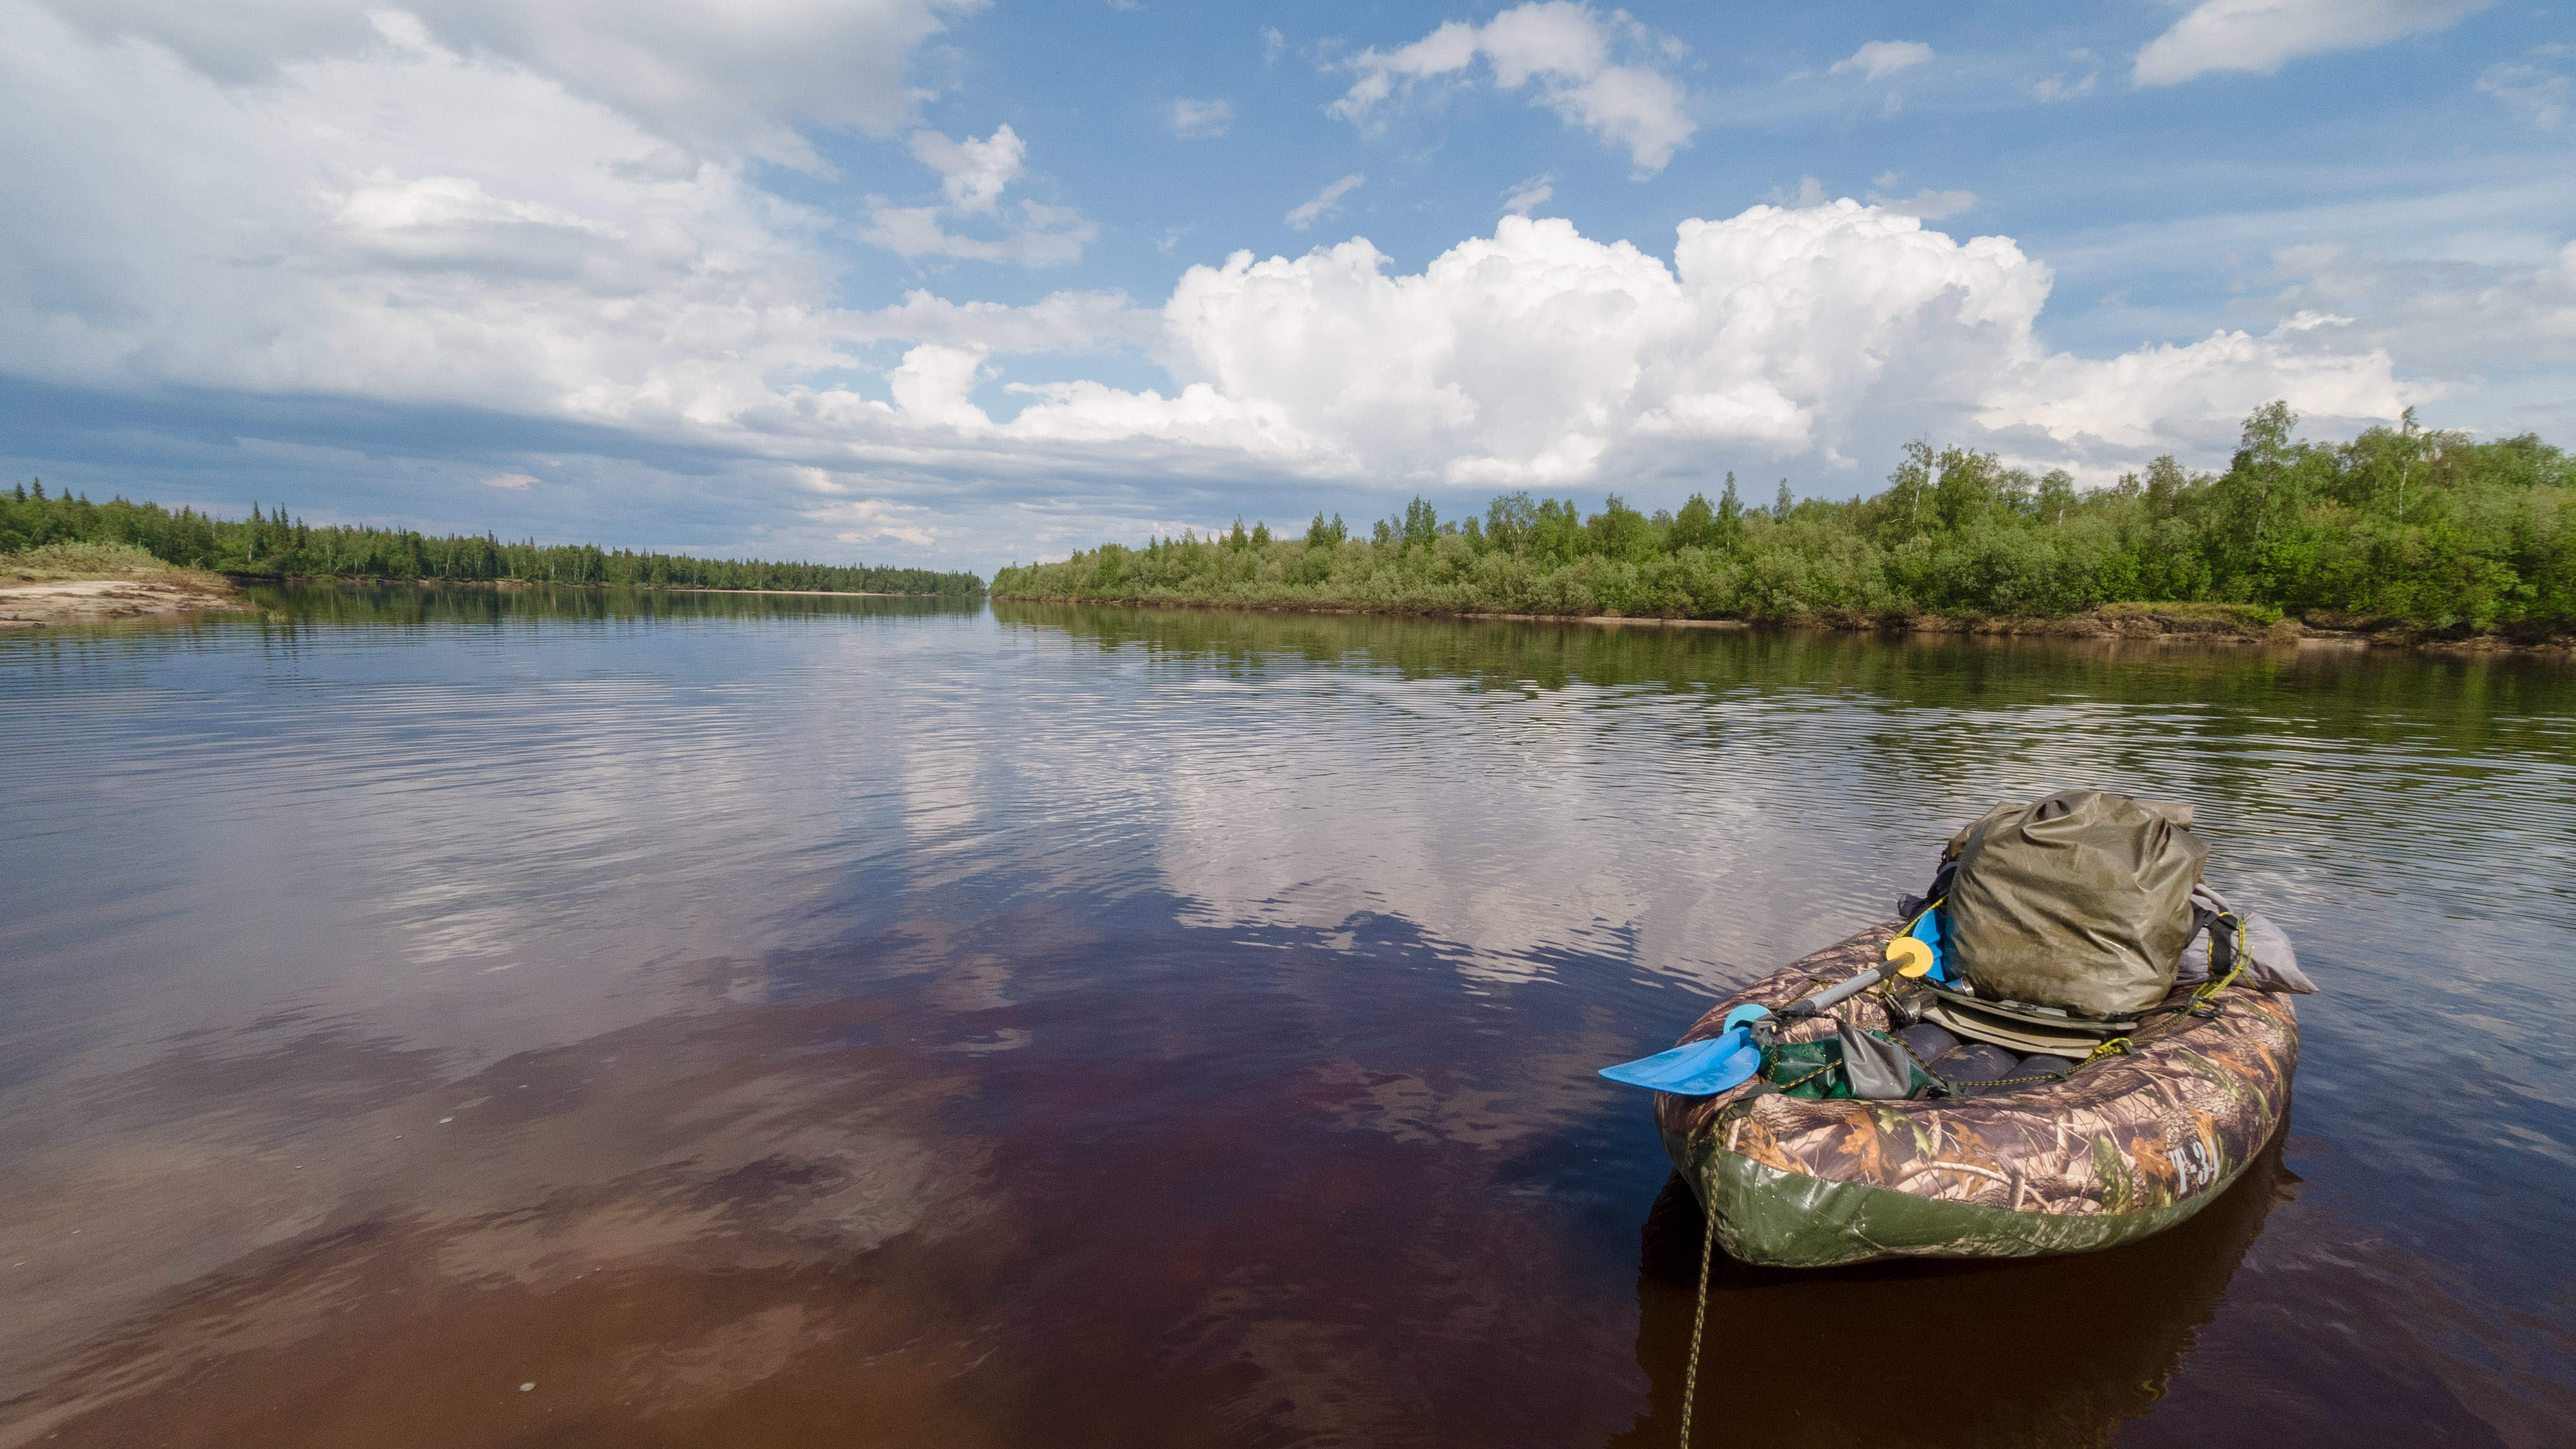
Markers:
(1928, 1042)
(1975, 1062)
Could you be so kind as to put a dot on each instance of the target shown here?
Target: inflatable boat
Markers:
(2020, 1152)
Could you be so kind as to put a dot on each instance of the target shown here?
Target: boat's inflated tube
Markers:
(2124, 1145)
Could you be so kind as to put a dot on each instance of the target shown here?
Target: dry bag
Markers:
(2080, 901)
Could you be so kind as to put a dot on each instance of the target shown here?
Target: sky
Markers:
(955, 283)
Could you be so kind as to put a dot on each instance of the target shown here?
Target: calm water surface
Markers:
(574, 1020)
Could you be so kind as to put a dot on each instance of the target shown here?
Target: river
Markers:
(476, 1018)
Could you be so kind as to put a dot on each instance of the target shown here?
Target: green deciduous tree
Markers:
(2401, 524)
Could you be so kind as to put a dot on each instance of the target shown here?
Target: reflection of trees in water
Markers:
(324, 603)
(2354, 687)
(2034, 1351)
(2294, 756)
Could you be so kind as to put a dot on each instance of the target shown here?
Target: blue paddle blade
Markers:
(1698, 1069)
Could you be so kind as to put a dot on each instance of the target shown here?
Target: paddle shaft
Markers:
(1836, 995)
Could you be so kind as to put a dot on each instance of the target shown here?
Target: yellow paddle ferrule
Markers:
(1912, 957)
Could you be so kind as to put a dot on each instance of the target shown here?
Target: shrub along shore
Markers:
(2429, 534)
(270, 546)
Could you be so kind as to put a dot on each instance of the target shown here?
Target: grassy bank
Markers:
(2401, 528)
(273, 546)
(63, 562)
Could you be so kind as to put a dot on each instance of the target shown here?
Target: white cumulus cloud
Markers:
(2537, 97)
(1060, 322)
(1880, 59)
(1200, 120)
(1529, 195)
(2067, 85)
(416, 226)
(972, 176)
(1927, 204)
(873, 522)
(933, 385)
(730, 80)
(972, 173)
(2263, 35)
(1539, 357)
(2460, 318)
(1042, 235)
(1324, 203)
(1565, 52)
(2149, 400)
(394, 221)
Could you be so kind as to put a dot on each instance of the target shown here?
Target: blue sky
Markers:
(950, 284)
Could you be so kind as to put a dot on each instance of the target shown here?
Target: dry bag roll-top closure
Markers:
(2081, 901)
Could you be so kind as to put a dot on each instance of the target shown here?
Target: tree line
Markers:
(272, 544)
(2402, 525)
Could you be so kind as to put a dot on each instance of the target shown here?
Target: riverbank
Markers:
(82, 583)
(94, 583)
(272, 547)
(2215, 624)
(507, 585)
(2226, 624)
(2398, 536)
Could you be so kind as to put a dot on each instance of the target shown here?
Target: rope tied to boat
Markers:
(1811, 1076)
(1699, 1315)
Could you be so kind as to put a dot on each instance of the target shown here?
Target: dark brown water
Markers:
(573, 1020)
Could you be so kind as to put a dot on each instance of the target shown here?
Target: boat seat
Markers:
(1981, 1062)
(1975, 1061)
(1929, 1043)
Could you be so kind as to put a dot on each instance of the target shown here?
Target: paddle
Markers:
(1729, 1059)
(1699, 1068)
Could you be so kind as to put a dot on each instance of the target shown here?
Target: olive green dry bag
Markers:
(2080, 901)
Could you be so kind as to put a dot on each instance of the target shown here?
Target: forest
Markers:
(2402, 526)
(273, 545)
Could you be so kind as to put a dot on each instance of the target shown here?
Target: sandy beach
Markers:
(89, 601)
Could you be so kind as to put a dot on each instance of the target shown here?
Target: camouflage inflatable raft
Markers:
(2124, 1146)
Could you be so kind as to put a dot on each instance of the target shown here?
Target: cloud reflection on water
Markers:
(929, 1020)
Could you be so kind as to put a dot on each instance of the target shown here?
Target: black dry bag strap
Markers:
(2223, 928)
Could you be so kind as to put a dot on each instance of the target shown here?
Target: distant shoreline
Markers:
(2138, 623)
(113, 595)
(818, 593)
(274, 547)
(509, 584)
